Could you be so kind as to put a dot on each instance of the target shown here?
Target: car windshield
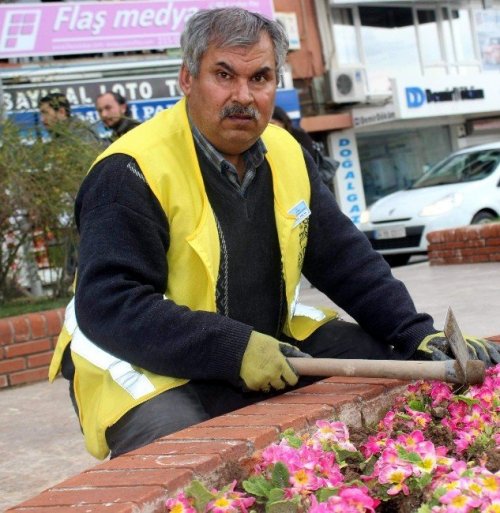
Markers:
(466, 167)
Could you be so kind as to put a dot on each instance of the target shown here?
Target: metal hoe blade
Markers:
(457, 342)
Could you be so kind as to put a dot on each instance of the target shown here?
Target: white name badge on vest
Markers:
(300, 211)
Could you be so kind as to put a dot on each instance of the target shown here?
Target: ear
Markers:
(123, 108)
(185, 80)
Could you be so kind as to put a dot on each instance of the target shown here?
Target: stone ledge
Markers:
(465, 245)
(215, 451)
(26, 346)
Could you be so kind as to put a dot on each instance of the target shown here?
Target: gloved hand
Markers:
(264, 364)
(437, 347)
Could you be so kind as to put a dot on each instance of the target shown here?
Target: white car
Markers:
(460, 190)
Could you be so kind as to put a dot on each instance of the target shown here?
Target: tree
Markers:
(38, 185)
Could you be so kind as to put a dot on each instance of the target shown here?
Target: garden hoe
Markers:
(462, 370)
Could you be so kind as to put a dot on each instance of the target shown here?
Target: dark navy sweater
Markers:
(122, 276)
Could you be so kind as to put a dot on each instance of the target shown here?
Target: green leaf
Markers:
(276, 495)
(342, 455)
(280, 477)
(324, 493)
(282, 507)
(417, 405)
(200, 494)
(258, 486)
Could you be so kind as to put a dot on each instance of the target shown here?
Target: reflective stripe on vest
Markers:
(132, 381)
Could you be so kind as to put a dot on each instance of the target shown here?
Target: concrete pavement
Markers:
(40, 441)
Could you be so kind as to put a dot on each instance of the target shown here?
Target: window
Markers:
(389, 43)
(344, 32)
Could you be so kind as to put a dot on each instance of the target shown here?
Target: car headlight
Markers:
(443, 205)
(365, 216)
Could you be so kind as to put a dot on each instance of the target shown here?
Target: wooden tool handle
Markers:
(447, 370)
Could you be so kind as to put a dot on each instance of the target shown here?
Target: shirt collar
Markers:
(253, 157)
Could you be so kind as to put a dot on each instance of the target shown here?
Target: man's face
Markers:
(232, 98)
(109, 110)
(50, 116)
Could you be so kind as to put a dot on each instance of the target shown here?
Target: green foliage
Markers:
(200, 494)
(38, 185)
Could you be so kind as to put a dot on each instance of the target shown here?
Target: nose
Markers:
(242, 92)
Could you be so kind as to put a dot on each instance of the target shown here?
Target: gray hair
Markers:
(229, 27)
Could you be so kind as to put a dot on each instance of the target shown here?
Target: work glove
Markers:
(264, 365)
(437, 347)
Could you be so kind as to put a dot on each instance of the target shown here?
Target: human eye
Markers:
(223, 75)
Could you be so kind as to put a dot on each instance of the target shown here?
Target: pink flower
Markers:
(440, 392)
(395, 475)
(180, 504)
(458, 502)
(348, 500)
(229, 501)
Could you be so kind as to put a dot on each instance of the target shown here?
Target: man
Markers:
(115, 113)
(55, 114)
(195, 229)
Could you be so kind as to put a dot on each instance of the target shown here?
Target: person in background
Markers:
(195, 230)
(56, 117)
(115, 113)
(326, 165)
(281, 118)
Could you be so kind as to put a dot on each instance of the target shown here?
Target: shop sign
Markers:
(444, 96)
(348, 181)
(366, 116)
(146, 95)
(61, 28)
(25, 97)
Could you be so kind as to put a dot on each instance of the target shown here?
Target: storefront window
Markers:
(389, 43)
(430, 48)
(392, 161)
(345, 37)
(462, 35)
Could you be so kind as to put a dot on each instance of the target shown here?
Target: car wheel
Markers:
(483, 217)
(397, 260)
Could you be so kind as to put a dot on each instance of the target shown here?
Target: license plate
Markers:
(390, 232)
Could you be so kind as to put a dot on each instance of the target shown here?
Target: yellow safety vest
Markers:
(107, 387)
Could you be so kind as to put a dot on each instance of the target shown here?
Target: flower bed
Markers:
(436, 451)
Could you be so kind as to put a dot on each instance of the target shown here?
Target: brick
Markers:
(25, 348)
(54, 320)
(4, 382)
(228, 450)
(37, 325)
(257, 436)
(332, 400)
(12, 365)
(6, 332)
(39, 360)
(98, 496)
(280, 421)
(21, 328)
(199, 463)
(2, 353)
(341, 389)
(313, 412)
(168, 478)
(125, 507)
(29, 376)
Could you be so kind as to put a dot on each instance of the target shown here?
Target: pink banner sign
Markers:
(93, 27)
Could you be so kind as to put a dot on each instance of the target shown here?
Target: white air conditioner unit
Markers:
(348, 85)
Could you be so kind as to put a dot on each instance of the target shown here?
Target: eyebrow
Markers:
(228, 67)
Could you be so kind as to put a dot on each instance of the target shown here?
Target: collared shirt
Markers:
(253, 158)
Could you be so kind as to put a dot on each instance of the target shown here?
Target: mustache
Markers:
(237, 109)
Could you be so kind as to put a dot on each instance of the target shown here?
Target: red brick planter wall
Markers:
(214, 452)
(26, 346)
(465, 245)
